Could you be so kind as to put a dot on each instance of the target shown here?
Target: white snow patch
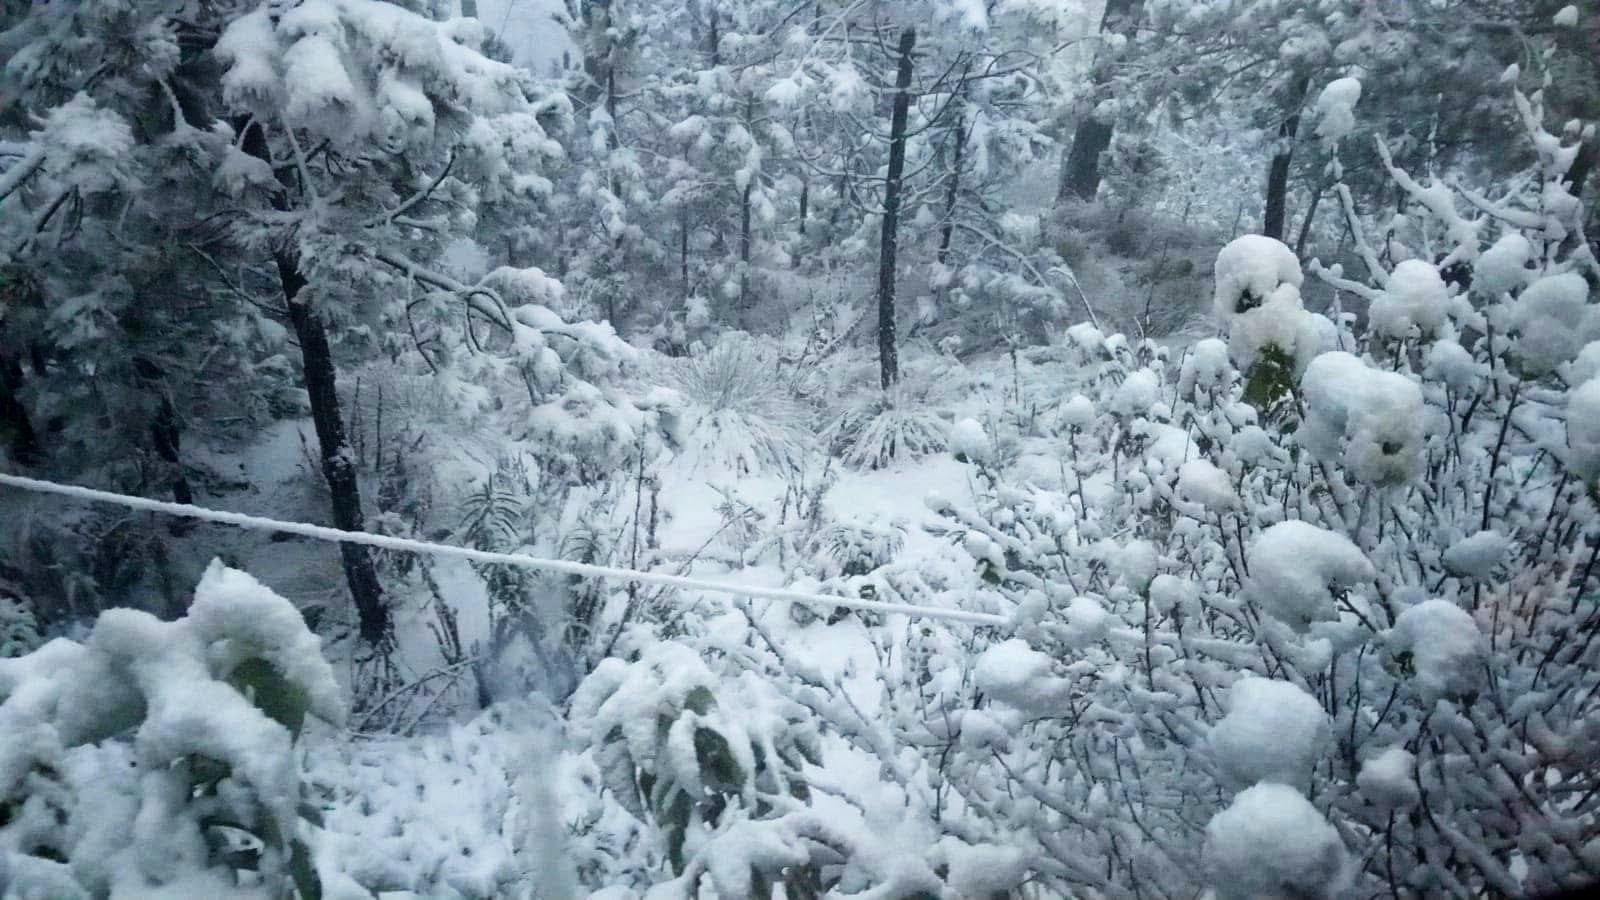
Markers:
(1274, 731)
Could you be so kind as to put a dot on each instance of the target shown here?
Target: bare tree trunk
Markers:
(744, 221)
(1305, 224)
(683, 247)
(1080, 171)
(953, 185)
(888, 358)
(321, 383)
(338, 467)
(14, 417)
(1278, 172)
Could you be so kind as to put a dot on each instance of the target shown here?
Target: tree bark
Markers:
(1278, 172)
(14, 416)
(1080, 171)
(338, 467)
(888, 359)
(744, 220)
(321, 383)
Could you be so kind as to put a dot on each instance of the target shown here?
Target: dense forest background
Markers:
(1242, 355)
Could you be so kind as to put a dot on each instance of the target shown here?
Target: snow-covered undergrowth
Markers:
(1305, 611)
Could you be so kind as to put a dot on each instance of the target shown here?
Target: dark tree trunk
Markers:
(744, 221)
(683, 247)
(321, 383)
(1080, 171)
(1305, 224)
(337, 466)
(744, 248)
(1278, 173)
(888, 359)
(953, 187)
(14, 417)
(805, 203)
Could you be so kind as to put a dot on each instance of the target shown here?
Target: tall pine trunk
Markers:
(1080, 171)
(338, 464)
(321, 384)
(1272, 220)
(888, 243)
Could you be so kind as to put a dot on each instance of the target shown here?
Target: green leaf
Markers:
(283, 701)
(700, 701)
(718, 768)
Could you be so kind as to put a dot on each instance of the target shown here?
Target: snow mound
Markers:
(1336, 109)
(1413, 303)
(1206, 368)
(1249, 269)
(1137, 394)
(1548, 320)
(1386, 779)
(1476, 556)
(1019, 676)
(1271, 842)
(1503, 268)
(1294, 568)
(969, 442)
(1077, 413)
(1583, 430)
(1274, 731)
(1447, 649)
(1367, 419)
(1201, 482)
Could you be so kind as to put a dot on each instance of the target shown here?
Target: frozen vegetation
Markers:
(1291, 593)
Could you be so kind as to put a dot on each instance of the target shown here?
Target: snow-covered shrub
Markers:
(879, 427)
(159, 756)
(742, 414)
(714, 764)
(1271, 336)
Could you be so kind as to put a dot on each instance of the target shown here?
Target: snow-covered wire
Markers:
(584, 570)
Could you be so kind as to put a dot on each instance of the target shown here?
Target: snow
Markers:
(980, 870)
(1566, 17)
(1447, 649)
(1335, 108)
(1274, 731)
(1478, 555)
(969, 442)
(1452, 364)
(1171, 593)
(1019, 676)
(1206, 367)
(1294, 568)
(1413, 303)
(1271, 842)
(1386, 779)
(1137, 394)
(1087, 621)
(1368, 419)
(1583, 430)
(1201, 482)
(1077, 413)
(1548, 319)
(1249, 270)
(1584, 366)
(1502, 268)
